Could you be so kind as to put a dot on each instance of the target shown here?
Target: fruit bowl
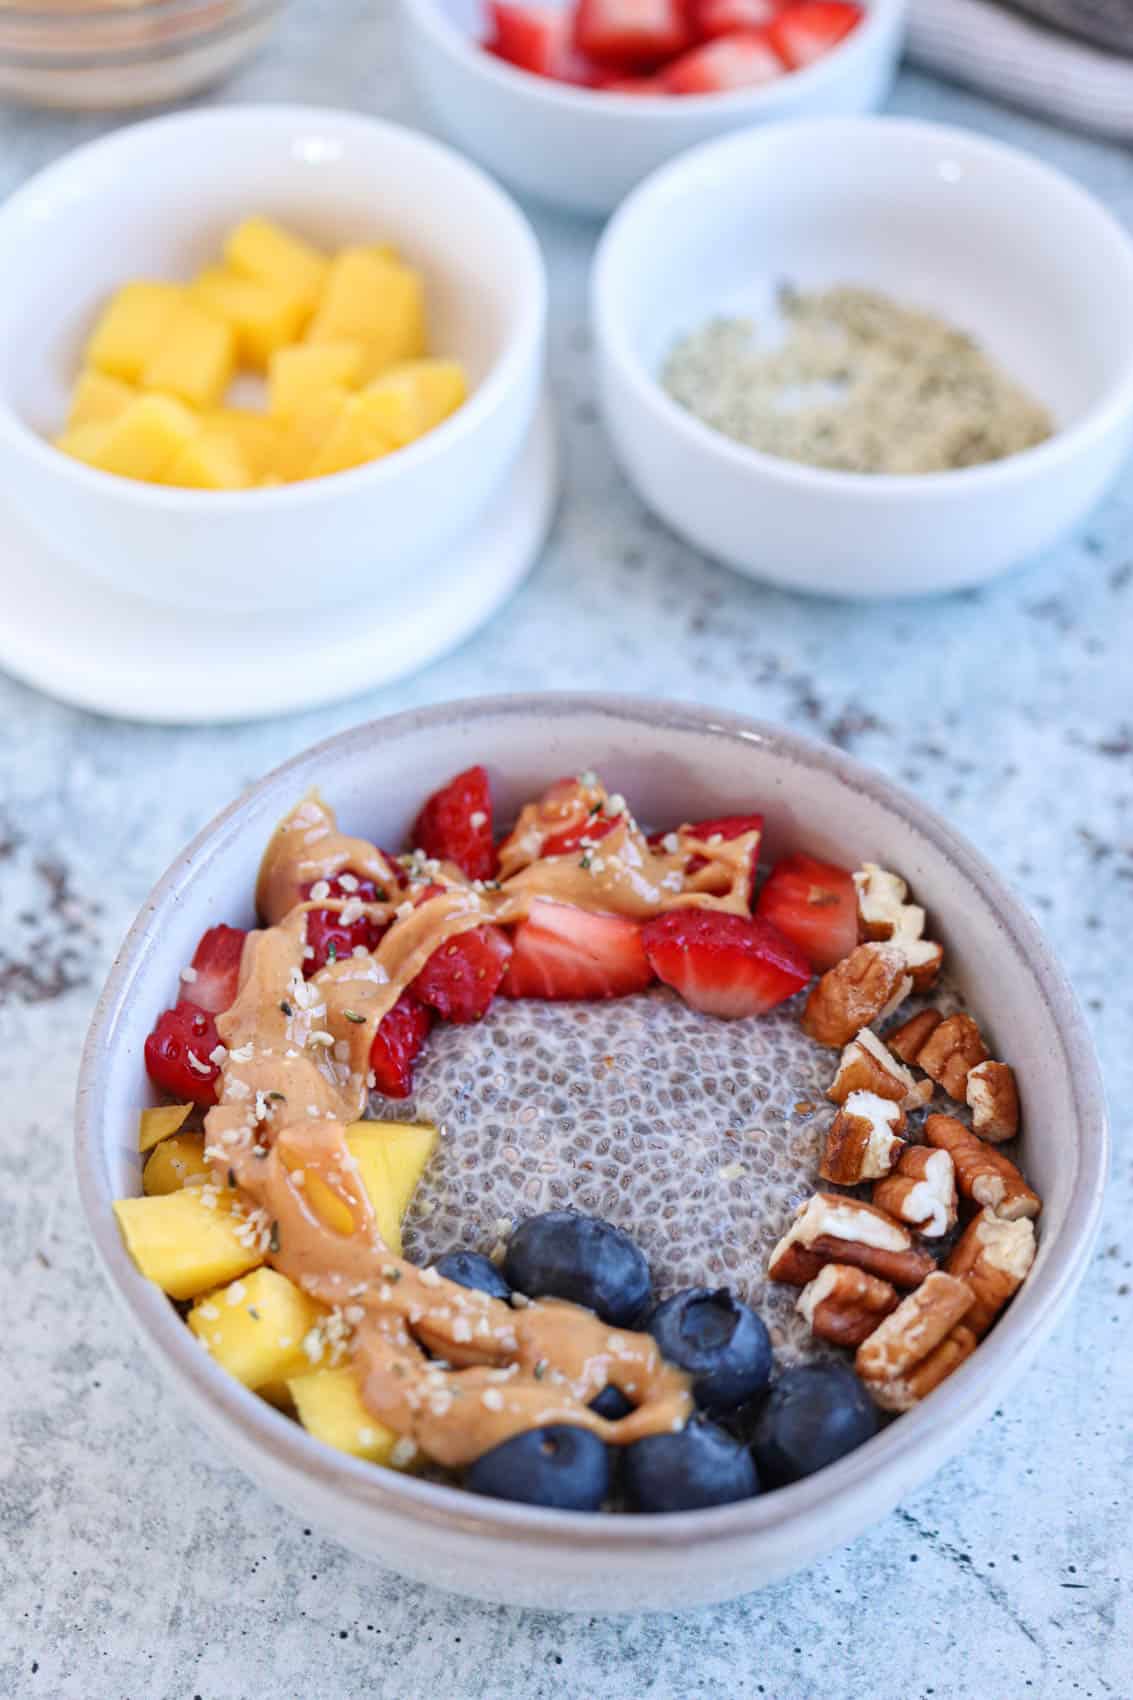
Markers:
(532, 1100)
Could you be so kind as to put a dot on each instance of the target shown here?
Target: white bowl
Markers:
(672, 761)
(994, 242)
(584, 149)
(157, 199)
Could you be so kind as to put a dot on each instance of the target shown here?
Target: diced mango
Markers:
(132, 327)
(356, 438)
(262, 317)
(176, 1162)
(391, 1158)
(144, 439)
(256, 436)
(84, 442)
(416, 395)
(264, 251)
(310, 369)
(159, 1123)
(195, 358)
(375, 301)
(181, 1244)
(330, 1407)
(255, 1327)
(97, 399)
(306, 432)
(213, 460)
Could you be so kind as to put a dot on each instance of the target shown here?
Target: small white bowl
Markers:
(674, 761)
(156, 200)
(983, 235)
(584, 149)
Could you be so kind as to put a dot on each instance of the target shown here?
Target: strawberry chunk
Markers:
(632, 85)
(397, 1044)
(726, 965)
(725, 17)
(631, 35)
(742, 60)
(814, 904)
(563, 952)
(460, 979)
(215, 970)
(456, 825)
(328, 936)
(806, 30)
(178, 1053)
(578, 837)
(531, 37)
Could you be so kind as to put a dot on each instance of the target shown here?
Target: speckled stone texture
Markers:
(135, 1567)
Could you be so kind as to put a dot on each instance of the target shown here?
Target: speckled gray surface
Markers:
(132, 1566)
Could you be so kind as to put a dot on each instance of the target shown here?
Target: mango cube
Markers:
(309, 369)
(182, 1245)
(262, 317)
(264, 251)
(357, 436)
(373, 300)
(132, 327)
(97, 399)
(256, 436)
(159, 1123)
(306, 432)
(144, 439)
(84, 442)
(195, 359)
(391, 1158)
(178, 1161)
(210, 461)
(255, 1327)
(416, 395)
(330, 1407)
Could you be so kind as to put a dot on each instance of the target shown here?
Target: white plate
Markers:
(103, 649)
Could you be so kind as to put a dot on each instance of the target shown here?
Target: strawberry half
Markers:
(815, 905)
(456, 825)
(397, 1044)
(179, 1050)
(563, 952)
(328, 936)
(806, 30)
(460, 979)
(726, 965)
(215, 976)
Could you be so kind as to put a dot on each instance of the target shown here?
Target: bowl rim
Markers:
(725, 155)
(521, 346)
(433, 21)
(958, 1402)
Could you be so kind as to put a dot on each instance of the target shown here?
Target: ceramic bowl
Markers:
(996, 243)
(585, 150)
(157, 199)
(673, 761)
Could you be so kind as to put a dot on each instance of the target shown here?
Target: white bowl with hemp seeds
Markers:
(865, 357)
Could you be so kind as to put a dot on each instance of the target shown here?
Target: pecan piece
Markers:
(884, 914)
(950, 1053)
(864, 987)
(993, 1099)
(918, 1344)
(864, 1140)
(905, 1391)
(983, 1174)
(844, 1305)
(831, 1229)
(922, 1191)
(906, 1041)
(994, 1257)
(866, 1065)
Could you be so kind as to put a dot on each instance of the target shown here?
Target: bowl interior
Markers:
(918, 212)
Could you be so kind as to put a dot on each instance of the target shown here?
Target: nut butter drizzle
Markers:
(295, 1075)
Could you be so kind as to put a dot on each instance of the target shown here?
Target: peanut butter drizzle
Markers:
(295, 1075)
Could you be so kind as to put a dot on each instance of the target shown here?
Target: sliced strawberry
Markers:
(578, 837)
(563, 952)
(328, 936)
(215, 975)
(725, 17)
(401, 1033)
(815, 905)
(806, 30)
(456, 825)
(460, 979)
(743, 60)
(179, 1050)
(723, 964)
(631, 35)
(531, 37)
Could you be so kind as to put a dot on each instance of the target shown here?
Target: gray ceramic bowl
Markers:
(673, 761)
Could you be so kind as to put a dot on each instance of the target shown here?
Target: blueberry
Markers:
(702, 1465)
(720, 1342)
(472, 1269)
(812, 1416)
(563, 1255)
(560, 1466)
(612, 1404)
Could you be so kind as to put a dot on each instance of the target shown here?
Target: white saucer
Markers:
(103, 649)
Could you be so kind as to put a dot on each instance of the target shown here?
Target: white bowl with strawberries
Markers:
(578, 101)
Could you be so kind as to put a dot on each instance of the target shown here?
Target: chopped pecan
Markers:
(993, 1099)
(918, 1344)
(864, 987)
(831, 1229)
(951, 1052)
(994, 1257)
(844, 1305)
(905, 1391)
(864, 1140)
(866, 1065)
(922, 1191)
(884, 914)
(983, 1174)
(906, 1041)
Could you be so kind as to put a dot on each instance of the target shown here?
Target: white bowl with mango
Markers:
(263, 357)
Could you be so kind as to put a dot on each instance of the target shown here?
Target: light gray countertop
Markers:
(136, 1567)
